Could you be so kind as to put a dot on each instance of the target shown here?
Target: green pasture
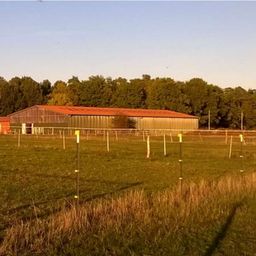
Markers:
(37, 178)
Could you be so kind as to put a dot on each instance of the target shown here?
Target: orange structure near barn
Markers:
(4, 125)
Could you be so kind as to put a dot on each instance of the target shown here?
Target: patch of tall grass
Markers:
(170, 222)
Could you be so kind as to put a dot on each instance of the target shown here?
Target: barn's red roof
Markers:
(72, 110)
(4, 119)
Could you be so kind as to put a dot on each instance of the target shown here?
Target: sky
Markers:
(215, 41)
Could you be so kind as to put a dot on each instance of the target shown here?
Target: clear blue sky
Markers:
(56, 40)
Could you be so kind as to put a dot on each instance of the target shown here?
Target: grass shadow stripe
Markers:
(223, 231)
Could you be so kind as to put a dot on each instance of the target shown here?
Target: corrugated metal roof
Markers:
(4, 119)
(91, 111)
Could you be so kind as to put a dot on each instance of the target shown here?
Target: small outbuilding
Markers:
(4, 125)
(41, 116)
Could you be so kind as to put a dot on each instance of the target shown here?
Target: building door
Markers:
(29, 128)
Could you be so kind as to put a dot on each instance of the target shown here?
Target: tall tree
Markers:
(236, 101)
(31, 93)
(46, 90)
(15, 95)
(197, 92)
(164, 93)
(4, 95)
(119, 98)
(74, 90)
(129, 94)
(60, 94)
(96, 92)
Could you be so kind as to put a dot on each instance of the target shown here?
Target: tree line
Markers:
(195, 97)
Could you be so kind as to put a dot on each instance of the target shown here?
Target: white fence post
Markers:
(63, 140)
(108, 149)
(148, 146)
(230, 147)
(19, 138)
(164, 145)
(171, 137)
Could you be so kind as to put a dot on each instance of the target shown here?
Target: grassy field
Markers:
(38, 180)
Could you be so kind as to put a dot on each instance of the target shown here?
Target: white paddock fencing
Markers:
(197, 135)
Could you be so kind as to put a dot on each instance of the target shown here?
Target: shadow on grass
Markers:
(223, 231)
(124, 186)
(73, 177)
(127, 186)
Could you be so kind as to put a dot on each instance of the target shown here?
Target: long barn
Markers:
(40, 116)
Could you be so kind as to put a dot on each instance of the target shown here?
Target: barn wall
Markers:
(141, 122)
(37, 116)
(167, 123)
(90, 121)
